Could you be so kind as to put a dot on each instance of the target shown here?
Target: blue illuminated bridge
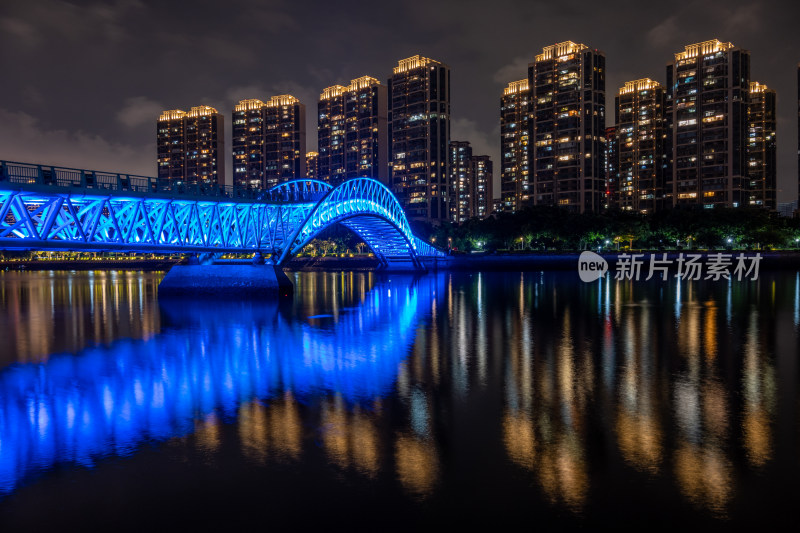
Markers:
(56, 208)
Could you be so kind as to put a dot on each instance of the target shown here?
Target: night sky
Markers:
(82, 83)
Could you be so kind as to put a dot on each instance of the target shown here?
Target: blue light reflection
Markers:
(210, 359)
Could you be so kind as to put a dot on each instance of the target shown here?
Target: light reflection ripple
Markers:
(216, 358)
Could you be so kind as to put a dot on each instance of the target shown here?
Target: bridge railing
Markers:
(12, 172)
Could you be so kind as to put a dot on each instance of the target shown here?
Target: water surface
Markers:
(382, 402)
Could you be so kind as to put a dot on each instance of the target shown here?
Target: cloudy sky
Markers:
(82, 83)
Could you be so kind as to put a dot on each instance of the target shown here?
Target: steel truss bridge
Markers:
(55, 208)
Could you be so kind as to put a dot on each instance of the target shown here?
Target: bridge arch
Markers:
(371, 211)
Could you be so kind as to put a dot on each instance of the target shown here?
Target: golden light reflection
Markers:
(417, 464)
(253, 431)
(715, 409)
(562, 471)
(557, 386)
(93, 308)
(639, 438)
(286, 428)
(705, 477)
(689, 434)
(350, 439)
(206, 433)
(759, 386)
(710, 332)
(519, 439)
(273, 430)
(702, 468)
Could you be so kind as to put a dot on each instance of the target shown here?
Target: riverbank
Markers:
(304, 263)
(146, 265)
(770, 260)
(534, 261)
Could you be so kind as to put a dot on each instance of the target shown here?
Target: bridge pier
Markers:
(221, 281)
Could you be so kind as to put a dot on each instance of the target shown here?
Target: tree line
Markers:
(544, 228)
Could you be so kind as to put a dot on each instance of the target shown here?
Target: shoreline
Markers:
(534, 261)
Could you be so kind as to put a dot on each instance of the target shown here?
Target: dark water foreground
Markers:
(524, 400)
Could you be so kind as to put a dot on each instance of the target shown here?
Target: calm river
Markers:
(499, 400)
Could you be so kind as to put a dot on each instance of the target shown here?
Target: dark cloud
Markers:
(80, 79)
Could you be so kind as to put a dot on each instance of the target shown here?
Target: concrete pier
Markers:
(220, 281)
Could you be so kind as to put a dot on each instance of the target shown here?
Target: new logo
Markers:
(591, 266)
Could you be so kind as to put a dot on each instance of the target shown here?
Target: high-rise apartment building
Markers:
(640, 145)
(707, 88)
(612, 165)
(482, 186)
(419, 133)
(248, 144)
(761, 147)
(285, 139)
(515, 187)
(567, 129)
(352, 131)
(471, 183)
(191, 146)
(330, 134)
(269, 141)
(171, 144)
(312, 165)
(461, 181)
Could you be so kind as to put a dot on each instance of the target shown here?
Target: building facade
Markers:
(419, 133)
(515, 187)
(461, 181)
(171, 144)
(269, 141)
(762, 171)
(191, 146)
(612, 164)
(567, 128)
(352, 131)
(471, 183)
(247, 142)
(284, 140)
(312, 165)
(707, 88)
(482, 186)
(640, 152)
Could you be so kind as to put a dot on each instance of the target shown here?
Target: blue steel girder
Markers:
(287, 217)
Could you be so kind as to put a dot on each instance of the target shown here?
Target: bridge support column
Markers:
(225, 281)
